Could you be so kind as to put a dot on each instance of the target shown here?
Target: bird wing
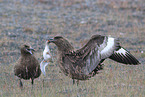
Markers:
(123, 56)
(97, 49)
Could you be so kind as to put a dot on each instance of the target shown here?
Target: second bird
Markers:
(27, 67)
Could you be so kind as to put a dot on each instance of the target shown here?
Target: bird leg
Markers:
(77, 81)
(73, 81)
(32, 81)
(21, 84)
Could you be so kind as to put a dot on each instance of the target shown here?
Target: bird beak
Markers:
(50, 40)
(43, 64)
(30, 50)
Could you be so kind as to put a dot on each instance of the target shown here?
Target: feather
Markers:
(46, 58)
(84, 63)
(27, 67)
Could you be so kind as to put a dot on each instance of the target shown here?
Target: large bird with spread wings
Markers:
(84, 63)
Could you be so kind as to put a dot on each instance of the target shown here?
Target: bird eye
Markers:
(57, 37)
(26, 46)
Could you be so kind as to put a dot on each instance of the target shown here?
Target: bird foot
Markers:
(77, 81)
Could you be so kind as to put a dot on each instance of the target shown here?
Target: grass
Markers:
(115, 80)
(77, 20)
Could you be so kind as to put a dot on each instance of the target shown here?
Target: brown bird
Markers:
(27, 67)
(84, 63)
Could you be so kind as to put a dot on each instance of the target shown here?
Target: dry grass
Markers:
(34, 21)
(115, 80)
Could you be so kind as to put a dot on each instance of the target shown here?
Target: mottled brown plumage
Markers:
(27, 67)
(84, 63)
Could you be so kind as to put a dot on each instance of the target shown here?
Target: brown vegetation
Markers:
(33, 22)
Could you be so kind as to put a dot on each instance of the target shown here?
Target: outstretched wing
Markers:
(95, 51)
(123, 56)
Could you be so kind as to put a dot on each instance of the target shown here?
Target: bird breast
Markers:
(46, 53)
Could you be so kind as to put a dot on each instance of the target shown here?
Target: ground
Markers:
(34, 21)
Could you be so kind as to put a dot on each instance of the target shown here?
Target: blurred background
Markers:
(34, 21)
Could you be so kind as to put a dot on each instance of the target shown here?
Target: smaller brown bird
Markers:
(27, 67)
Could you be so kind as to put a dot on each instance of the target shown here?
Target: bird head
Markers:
(26, 49)
(61, 43)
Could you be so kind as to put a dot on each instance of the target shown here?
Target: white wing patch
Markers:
(109, 48)
(123, 56)
(121, 51)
